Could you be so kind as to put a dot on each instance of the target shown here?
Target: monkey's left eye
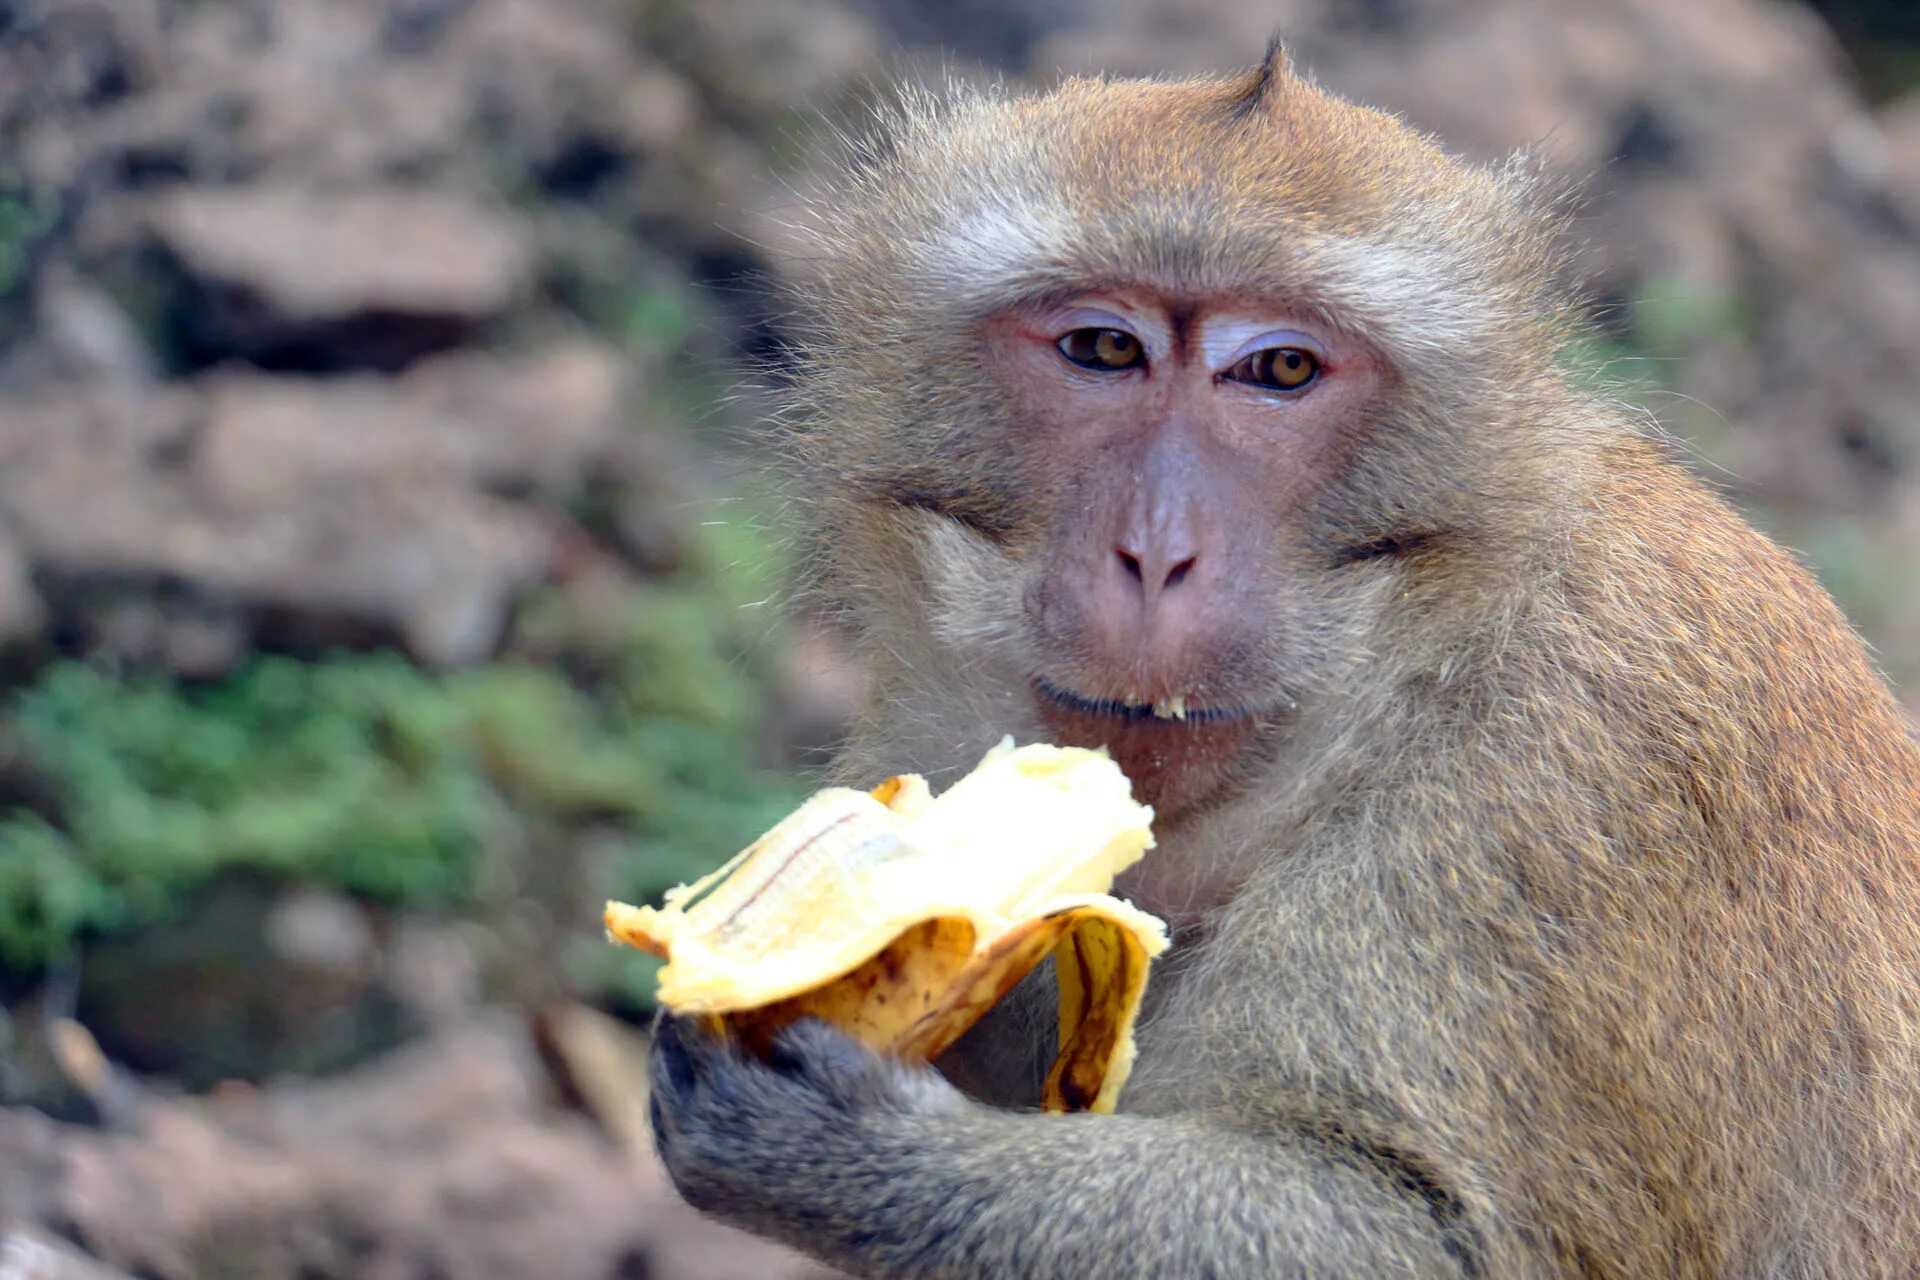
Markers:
(1277, 369)
(1106, 350)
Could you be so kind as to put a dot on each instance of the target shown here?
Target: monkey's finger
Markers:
(817, 1050)
(679, 1045)
(657, 1121)
(821, 1059)
(683, 1143)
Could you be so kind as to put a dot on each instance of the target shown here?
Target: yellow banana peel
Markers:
(902, 918)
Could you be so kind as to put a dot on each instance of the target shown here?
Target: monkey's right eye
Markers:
(1104, 350)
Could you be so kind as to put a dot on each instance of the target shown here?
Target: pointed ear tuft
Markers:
(1266, 82)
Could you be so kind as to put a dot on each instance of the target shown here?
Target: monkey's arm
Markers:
(889, 1171)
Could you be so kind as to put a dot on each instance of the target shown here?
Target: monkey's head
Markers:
(1143, 413)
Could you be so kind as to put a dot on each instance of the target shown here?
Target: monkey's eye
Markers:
(1277, 369)
(1105, 350)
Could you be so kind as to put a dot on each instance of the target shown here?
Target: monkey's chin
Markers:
(1174, 762)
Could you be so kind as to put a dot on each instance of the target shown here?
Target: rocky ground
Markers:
(359, 325)
(457, 1157)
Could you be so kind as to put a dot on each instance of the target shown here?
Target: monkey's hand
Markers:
(740, 1137)
(887, 1171)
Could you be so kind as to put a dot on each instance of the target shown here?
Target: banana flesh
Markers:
(902, 918)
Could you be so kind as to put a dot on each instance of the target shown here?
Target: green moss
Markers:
(46, 895)
(1665, 323)
(24, 215)
(657, 318)
(1868, 573)
(362, 773)
(310, 772)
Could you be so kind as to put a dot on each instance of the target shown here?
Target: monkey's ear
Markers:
(1266, 83)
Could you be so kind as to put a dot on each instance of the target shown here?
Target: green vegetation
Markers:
(1663, 325)
(361, 773)
(1883, 39)
(1870, 574)
(23, 215)
(345, 773)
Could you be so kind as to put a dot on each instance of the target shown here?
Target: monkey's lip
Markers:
(1174, 762)
(1170, 711)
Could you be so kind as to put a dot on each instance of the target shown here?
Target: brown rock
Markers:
(245, 983)
(1899, 136)
(21, 612)
(314, 256)
(536, 425)
(281, 275)
(30, 1254)
(175, 524)
(447, 1160)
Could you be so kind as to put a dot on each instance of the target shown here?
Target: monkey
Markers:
(1540, 844)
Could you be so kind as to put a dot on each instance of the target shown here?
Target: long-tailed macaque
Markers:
(1543, 849)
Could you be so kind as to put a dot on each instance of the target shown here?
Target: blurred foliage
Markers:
(23, 216)
(362, 773)
(1642, 343)
(1639, 349)
(1638, 354)
(348, 772)
(1883, 39)
(1868, 574)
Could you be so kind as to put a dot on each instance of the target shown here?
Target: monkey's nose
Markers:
(1154, 571)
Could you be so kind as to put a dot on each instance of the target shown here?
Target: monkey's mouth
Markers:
(1175, 755)
(1165, 709)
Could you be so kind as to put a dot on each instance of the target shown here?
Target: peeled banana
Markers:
(902, 918)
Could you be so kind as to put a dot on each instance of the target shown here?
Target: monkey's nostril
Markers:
(1147, 573)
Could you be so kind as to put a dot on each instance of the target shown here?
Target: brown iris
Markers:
(1106, 350)
(1277, 369)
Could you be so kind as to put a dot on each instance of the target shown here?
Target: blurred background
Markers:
(389, 571)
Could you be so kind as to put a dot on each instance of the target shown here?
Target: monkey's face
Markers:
(1148, 414)
(1182, 444)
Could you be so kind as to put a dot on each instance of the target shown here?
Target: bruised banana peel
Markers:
(902, 918)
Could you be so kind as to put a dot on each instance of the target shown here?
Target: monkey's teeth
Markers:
(1171, 708)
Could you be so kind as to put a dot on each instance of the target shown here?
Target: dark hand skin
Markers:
(813, 1146)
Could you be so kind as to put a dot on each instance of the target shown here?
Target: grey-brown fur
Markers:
(1571, 926)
